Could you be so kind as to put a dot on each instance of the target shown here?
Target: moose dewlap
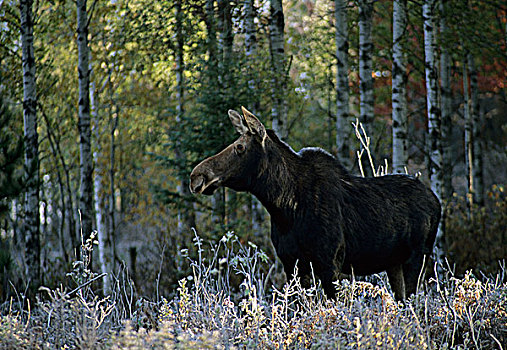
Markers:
(322, 217)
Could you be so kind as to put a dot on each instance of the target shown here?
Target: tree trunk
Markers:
(53, 143)
(476, 113)
(343, 122)
(446, 101)
(98, 190)
(211, 37)
(251, 54)
(250, 29)
(112, 188)
(277, 49)
(226, 36)
(31, 205)
(365, 64)
(434, 117)
(469, 150)
(186, 217)
(400, 122)
(85, 164)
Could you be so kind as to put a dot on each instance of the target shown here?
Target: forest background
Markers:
(106, 107)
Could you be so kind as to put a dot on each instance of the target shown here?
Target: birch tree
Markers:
(251, 47)
(97, 191)
(186, 217)
(250, 29)
(277, 49)
(477, 162)
(84, 125)
(365, 63)
(469, 150)
(343, 121)
(446, 100)
(400, 123)
(31, 205)
(434, 147)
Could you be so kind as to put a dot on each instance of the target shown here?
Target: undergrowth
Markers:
(209, 312)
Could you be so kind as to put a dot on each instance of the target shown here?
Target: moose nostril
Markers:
(196, 183)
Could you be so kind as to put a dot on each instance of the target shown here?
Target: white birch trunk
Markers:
(98, 189)
(400, 122)
(446, 100)
(31, 204)
(434, 118)
(343, 122)
(277, 49)
(469, 150)
(250, 29)
(85, 164)
(112, 189)
(365, 64)
(251, 54)
(476, 114)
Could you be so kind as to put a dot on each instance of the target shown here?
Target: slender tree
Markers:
(469, 150)
(446, 101)
(250, 29)
(186, 217)
(400, 123)
(31, 205)
(277, 49)
(365, 63)
(251, 47)
(98, 190)
(434, 149)
(477, 139)
(343, 122)
(84, 124)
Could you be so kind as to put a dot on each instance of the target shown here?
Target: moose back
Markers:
(322, 217)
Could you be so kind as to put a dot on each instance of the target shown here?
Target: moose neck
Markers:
(277, 185)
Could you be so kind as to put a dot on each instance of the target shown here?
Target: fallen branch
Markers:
(85, 284)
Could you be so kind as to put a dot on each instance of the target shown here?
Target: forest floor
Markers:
(211, 310)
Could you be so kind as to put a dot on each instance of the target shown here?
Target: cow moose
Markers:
(322, 217)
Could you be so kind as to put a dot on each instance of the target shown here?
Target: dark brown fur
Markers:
(322, 217)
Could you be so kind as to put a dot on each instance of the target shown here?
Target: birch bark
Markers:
(97, 191)
(251, 54)
(434, 149)
(31, 204)
(476, 114)
(250, 29)
(84, 125)
(446, 100)
(277, 49)
(469, 150)
(343, 122)
(365, 64)
(400, 123)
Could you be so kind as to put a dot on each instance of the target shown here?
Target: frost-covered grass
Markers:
(228, 302)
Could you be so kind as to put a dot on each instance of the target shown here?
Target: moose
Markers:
(323, 218)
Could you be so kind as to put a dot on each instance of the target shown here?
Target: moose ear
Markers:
(238, 121)
(254, 124)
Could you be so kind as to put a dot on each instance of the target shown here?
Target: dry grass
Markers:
(209, 313)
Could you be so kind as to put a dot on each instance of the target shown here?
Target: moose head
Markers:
(238, 164)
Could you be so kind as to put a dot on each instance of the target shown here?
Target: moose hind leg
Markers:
(397, 281)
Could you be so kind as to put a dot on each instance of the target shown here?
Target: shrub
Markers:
(476, 236)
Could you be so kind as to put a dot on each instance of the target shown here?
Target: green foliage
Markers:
(476, 237)
(11, 157)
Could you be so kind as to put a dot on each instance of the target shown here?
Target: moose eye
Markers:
(240, 148)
